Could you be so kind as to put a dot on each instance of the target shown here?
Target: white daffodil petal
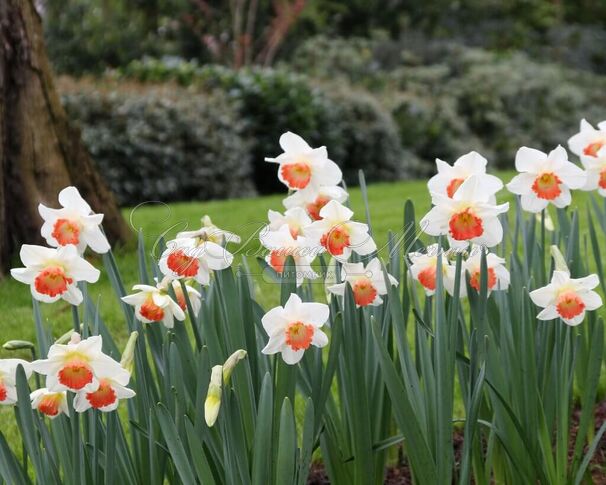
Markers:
(338, 289)
(564, 199)
(574, 177)
(548, 313)
(529, 160)
(273, 320)
(314, 313)
(320, 339)
(32, 255)
(73, 295)
(531, 203)
(96, 240)
(275, 344)
(543, 296)
(573, 322)
(70, 197)
(587, 283)
(522, 183)
(290, 356)
(592, 300)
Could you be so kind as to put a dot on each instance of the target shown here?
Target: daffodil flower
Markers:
(209, 232)
(112, 387)
(195, 297)
(313, 200)
(498, 275)
(51, 404)
(338, 234)
(567, 298)
(75, 366)
(367, 283)
(296, 219)
(281, 245)
(194, 257)
(470, 216)
(304, 168)
(596, 172)
(588, 141)
(424, 266)
(153, 304)
(545, 178)
(75, 223)
(293, 328)
(52, 273)
(8, 379)
(450, 177)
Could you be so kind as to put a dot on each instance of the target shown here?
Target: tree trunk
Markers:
(40, 153)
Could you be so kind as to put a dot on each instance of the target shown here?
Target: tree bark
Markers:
(40, 153)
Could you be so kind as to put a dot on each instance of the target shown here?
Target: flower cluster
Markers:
(153, 304)
(81, 367)
(188, 259)
(53, 272)
(423, 268)
(465, 213)
(315, 222)
(196, 254)
(465, 210)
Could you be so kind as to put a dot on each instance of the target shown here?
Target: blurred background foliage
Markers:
(171, 94)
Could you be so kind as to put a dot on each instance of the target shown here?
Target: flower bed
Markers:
(499, 306)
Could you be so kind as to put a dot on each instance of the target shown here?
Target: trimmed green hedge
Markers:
(154, 145)
(358, 131)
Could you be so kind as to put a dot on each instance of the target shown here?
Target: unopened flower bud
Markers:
(18, 345)
(213, 397)
(231, 362)
(75, 338)
(128, 355)
(548, 221)
(67, 337)
(558, 259)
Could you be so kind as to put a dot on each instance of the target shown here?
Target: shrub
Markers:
(150, 69)
(506, 101)
(431, 128)
(448, 99)
(369, 139)
(359, 130)
(353, 59)
(514, 101)
(164, 145)
(272, 102)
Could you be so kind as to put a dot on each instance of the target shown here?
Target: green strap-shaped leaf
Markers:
(423, 464)
(201, 464)
(307, 443)
(175, 445)
(261, 456)
(287, 446)
(10, 471)
(589, 455)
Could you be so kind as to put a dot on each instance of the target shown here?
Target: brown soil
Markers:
(400, 474)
